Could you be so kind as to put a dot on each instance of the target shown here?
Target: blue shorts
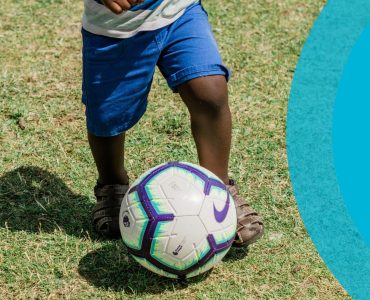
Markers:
(117, 73)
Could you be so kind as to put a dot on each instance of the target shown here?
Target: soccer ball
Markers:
(178, 220)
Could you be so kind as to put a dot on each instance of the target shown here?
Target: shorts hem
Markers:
(193, 72)
(117, 130)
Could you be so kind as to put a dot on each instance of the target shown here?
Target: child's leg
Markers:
(207, 101)
(192, 65)
(108, 154)
(117, 75)
(112, 182)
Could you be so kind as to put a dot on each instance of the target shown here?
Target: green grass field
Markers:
(47, 247)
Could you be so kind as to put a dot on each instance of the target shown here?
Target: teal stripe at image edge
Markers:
(312, 166)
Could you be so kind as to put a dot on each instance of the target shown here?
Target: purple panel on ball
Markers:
(153, 216)
(218, 247)
(209, 182)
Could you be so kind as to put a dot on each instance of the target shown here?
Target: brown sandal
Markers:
(249, 224)
(106, 210)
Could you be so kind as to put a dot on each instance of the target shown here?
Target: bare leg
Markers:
(207, 101)
(108, 154)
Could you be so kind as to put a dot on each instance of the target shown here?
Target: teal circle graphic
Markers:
(351, 135)
(328, 141)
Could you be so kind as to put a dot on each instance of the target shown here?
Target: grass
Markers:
(47, 247)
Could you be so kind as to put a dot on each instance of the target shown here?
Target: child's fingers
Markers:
(113, 6)
(117, 6)
(125, 5)
(135, 2)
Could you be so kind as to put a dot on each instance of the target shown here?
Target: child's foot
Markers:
(249, 223)
(106, 210)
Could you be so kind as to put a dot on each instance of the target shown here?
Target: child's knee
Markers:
(208, 96)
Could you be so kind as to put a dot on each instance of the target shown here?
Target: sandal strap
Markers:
(103, 213)
(109, 190)
(244, 210)
(107, 222)
(249, 224)
(106, 210)
(103, 204)
(108, 225)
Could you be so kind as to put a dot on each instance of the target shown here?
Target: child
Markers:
(123, 41)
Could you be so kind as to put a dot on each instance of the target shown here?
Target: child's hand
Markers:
(118, 6)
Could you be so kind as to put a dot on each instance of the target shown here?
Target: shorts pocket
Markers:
(101, 48)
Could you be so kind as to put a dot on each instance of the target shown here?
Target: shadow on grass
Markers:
(236, 254)
(32, 199)
(111, 268)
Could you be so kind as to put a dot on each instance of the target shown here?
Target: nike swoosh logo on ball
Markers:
(221, 215)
